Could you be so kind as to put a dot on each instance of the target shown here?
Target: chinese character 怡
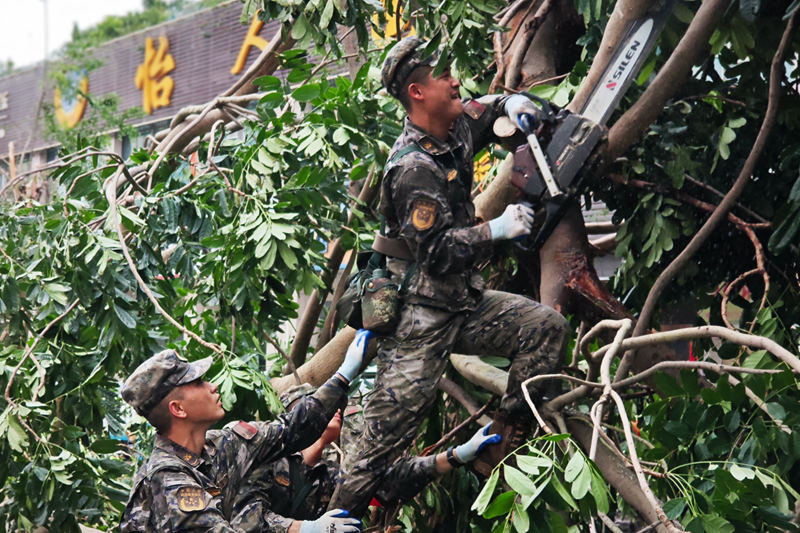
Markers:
(151, 75)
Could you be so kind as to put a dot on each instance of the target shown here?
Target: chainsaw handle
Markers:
(550, 109)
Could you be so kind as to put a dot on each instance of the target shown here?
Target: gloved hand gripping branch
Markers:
(355, 355)
(334, 521)
(466, 452)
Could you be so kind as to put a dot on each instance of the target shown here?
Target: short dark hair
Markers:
(160, 417)
(418, 75)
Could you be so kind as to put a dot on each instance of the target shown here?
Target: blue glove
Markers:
(523, 112)
(515, 221)
(355, 354)
(469, 450)
(335, 521)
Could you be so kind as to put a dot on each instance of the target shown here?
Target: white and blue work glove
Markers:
(355, 354)
(335, 521)
(515, 221)
(522, 112)
(466, 452)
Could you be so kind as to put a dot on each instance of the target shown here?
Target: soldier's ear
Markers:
(176, 409)
(415, 92)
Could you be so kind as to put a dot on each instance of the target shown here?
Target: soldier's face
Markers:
(442, 98)
(201, 402)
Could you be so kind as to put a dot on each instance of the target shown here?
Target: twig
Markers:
(458, 428)
(608, 523)
(596, 412)
(532, 407)
(289, 363)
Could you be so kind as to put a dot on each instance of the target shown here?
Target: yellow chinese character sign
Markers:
(396, 27)
(68, 114)
(151, 76)
(250, 40)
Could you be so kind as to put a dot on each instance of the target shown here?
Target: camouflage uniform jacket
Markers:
(177, 490)
(425, 200)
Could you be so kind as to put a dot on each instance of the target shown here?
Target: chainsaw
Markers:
(554, 172)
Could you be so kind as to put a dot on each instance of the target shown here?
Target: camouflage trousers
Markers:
(412, 361)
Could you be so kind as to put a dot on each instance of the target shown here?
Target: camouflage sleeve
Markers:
(256, 516)
(426, 223)
(480, 115)
(406, 478)
(179, 503)
(299, 428)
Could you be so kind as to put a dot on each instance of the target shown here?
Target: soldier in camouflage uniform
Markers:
(430, 221)
(194, 476)
(300, 485)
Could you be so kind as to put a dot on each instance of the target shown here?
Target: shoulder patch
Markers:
(245, 430)
(190, 499)
(424, 214)
(474, 109)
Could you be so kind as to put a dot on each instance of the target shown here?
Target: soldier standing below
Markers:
(194, 475)
(433, 244)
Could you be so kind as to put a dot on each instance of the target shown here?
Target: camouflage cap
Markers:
(293, 394)
(401, 61)
(155, 378)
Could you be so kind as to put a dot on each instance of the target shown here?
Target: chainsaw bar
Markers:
(629, 57)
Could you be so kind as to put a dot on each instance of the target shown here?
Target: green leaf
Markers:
(574, 467)
(267, 83)
(741, 472)
(480, 503)
(518, 481)
(501, 505)
(300, 28)
(599, 491)
(582, 483)
(499, 362)
(128, 215)
(306, 92)
(340, 136)
(776, 410)
(521, 520)
(56, 291)
(287, 256)
(124, 317)
(717, 524)
(17, 438)
(562, 491)
(674, 508)
(105, 446)
(531, 465)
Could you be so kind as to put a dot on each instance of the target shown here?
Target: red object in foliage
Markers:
(691, 353)
(375, 503)
(635, 428)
